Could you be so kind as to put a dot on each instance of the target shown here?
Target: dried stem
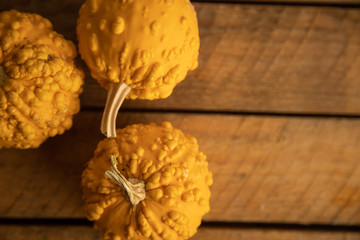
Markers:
(135, 188)
(115, 97)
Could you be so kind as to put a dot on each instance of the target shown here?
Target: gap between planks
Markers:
(204, 224)
(225, 112)
(303, 3)
(87, 232)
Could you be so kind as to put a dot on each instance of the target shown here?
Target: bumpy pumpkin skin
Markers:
(176, 177)
(148, 44)
(39, 83)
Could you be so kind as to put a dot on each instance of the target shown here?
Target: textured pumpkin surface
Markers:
(147, 44)
(39, 83)
(176, 178)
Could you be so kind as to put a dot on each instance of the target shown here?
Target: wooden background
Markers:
(275, 104)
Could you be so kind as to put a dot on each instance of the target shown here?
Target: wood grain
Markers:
(257, 58)
(83, 232)
(268, 59)
(266, 169)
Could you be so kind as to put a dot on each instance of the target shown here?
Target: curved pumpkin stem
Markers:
(135, 188)
(115, 97)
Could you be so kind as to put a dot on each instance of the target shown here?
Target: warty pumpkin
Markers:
(150, 182)
(137, 49)
(39, 82)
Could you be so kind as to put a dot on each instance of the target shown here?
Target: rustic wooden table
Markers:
(275, 104)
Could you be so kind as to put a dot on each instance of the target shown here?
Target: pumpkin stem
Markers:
(115, 97)
(135, 188)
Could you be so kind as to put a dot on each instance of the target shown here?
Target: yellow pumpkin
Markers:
(142, 48)
(39, 83)
(150, 182)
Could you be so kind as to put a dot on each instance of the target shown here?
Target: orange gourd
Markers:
(39, 82)
(150, 182)
(142, 48)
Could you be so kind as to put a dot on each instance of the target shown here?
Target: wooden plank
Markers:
(266, 169)
(267, 58)
(49, 232)
(86, 232)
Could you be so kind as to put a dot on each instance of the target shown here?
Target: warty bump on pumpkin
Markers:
(137, 48)
(150, 182)
(39, 82)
